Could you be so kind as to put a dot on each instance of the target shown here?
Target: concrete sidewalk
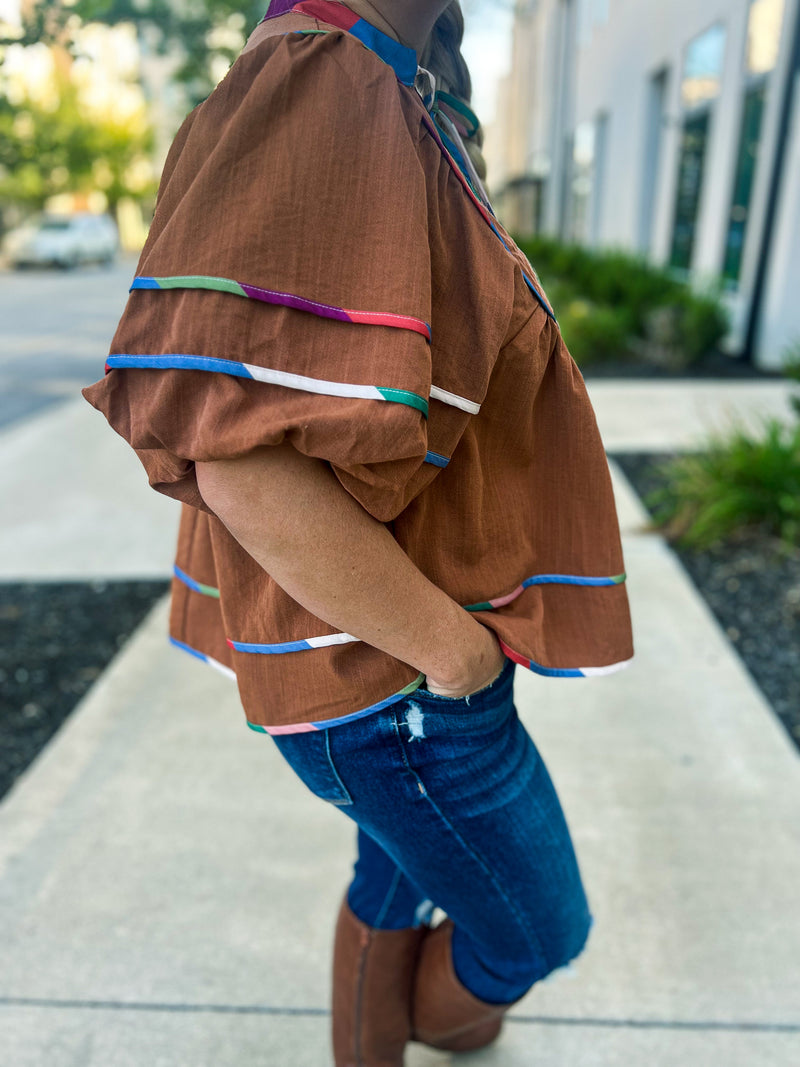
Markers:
(168, 888)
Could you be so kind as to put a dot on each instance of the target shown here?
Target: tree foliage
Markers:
(200, 34)
(46, 150)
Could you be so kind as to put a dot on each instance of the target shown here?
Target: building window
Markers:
(763, 35)
(591, 14)
(702, 72)
(746, 161)
(653, 140)
(763, 41)
(690, 183)
(586, 178)
(581, 181)
(598, 186)
(702, 68)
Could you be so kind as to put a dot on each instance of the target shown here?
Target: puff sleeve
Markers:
(284, 292)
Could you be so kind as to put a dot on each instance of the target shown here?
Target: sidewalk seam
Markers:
(266, 1009)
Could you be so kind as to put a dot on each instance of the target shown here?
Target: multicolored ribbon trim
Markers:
(343, 639)
(454, 400)
(563, 672)
(174, 361)
(204, 658)
(197, 587)
(293, 646)
(324, 724)
(292, 300)
(307, 727)
(402, 59)
(544, 579)
(436, 459)
(451, 137)
(452, 103)
(329, 640)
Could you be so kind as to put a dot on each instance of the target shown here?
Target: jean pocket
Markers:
(508, 668)
(309, 756)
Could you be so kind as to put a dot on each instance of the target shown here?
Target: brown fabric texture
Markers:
(310, 171)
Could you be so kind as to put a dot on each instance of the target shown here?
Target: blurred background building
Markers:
(671, 129)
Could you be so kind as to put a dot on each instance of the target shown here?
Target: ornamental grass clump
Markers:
(742, 484)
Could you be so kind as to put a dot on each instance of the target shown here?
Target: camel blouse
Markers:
(323, 269)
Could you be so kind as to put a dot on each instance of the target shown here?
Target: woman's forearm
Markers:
(291, 514)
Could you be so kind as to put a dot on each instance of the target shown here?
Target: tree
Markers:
(48, 149)
(204, 34)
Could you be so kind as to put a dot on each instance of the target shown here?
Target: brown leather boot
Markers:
(373, 976)
(444, 1013)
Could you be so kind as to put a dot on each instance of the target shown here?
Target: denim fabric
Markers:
(455, 808)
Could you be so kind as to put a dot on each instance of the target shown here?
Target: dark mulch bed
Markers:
(752, 584)
(55, 639)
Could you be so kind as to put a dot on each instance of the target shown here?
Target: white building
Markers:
(668, 128)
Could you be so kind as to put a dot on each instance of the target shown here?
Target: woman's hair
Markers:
(442, 57)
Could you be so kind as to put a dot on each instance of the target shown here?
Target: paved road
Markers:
(56, 328)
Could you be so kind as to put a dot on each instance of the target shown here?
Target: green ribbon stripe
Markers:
(402, 396)
(225, 285)
(208, 590)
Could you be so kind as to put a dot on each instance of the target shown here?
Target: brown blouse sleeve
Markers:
(285, 289)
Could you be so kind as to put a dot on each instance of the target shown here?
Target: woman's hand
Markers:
(484, 665)
(292, 515)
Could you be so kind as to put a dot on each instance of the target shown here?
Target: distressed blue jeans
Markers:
(455, 809)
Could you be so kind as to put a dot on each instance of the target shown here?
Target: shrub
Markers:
(703, 322)
(593, 333)
(741, 481)
(625, 288)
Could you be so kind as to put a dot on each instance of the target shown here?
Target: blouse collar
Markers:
(401, 58)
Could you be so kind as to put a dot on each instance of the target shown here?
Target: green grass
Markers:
(742, 482)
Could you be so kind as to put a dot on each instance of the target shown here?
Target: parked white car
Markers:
(63, 241)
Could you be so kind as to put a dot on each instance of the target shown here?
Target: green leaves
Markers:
(74, 150)
(46, 150)
(185, 30)
(615, 305)
(742, 481)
